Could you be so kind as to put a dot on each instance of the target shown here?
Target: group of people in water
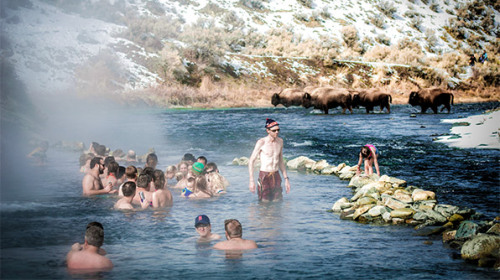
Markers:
(195, 178)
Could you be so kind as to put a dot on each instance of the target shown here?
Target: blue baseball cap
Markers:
(201, 220)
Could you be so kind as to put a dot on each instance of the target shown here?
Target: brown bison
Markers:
(431, 98)
(371, 98)
(288, 97)
(324, 98)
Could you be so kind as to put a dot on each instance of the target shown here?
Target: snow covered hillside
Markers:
(52, 43)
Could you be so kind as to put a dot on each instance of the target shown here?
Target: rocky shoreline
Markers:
(389, 200)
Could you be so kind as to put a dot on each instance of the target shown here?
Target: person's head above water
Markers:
(233, 228)
(271, 123)
(365, 151)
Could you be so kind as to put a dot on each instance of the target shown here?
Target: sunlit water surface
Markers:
(44, 213)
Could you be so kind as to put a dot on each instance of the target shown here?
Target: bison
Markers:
(325, 98)
(288, 97)
(431, 98)
(371, 98)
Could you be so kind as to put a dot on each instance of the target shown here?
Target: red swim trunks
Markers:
(269, 186)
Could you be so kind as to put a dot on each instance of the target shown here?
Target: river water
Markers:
(43, 214)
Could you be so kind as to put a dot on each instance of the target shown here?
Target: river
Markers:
(43, 212)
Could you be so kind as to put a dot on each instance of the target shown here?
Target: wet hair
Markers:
(100, 149)
(139, 171)
(128, 189)
(204, 159)
(108, 160)
(113, 167)
(179, 176)
(233, 228)
(211, 165)
(215, 182)
(151, 160)
(188, 157)
(159, 179)
(200, 184)
(148, 170)
(171, 168)
(96, 224)
(94, 235)
(94, 161)
(121, 171)
(131, 172)
(143, 181)
(365, 152)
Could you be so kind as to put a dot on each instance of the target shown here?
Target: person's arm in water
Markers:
(251, 162)
(358, 171)
(283, 171)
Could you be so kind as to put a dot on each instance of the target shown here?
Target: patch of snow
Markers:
(483, 132)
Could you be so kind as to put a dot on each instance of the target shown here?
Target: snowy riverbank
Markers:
(480, 131)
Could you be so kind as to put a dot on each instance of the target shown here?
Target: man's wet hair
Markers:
(202, 158)
(108, 160)
(94, 161)
(121, 172)
(151, 159)
(143, 181)
(148, 170)
(97, 224)
(159, 179)
(211, 166)
(100, 150)
(131, 172)
(188, 157)
(113, 167)
(233, 228)
(94, 235)
(128, 189)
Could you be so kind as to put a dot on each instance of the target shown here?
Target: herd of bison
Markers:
(325, 98)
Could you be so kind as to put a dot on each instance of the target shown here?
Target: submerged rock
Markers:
(480, 247)
(466, 230)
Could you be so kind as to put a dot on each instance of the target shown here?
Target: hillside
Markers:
(238, 52)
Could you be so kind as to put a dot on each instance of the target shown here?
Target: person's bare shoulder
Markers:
(221, 245)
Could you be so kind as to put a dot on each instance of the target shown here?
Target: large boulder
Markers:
(466, 230)
(481, 246)
(318, 166)
(301, 162)
(402, 213)
(419, 194)
(396, 183)
(359, 181)
(341, 204)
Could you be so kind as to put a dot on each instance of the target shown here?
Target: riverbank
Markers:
(479, 131)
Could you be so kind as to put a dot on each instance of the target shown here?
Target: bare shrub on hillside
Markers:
(350, 36)
(377, 20)
(453, 63)
(101, 74)
(306, 3)
(412, 14)
(416, 23)
(253, 4)
(213, 10)
(383, 39)
(155, 8)
(325, 13)
(149, 32)
(431, 39)
(434, 6)
(387, 8)
(231, 21)
(377, 53)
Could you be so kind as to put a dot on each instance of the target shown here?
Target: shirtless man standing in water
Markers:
(270, 150)
(91, 182)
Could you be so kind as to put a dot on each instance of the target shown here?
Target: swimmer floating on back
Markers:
(369, 154)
